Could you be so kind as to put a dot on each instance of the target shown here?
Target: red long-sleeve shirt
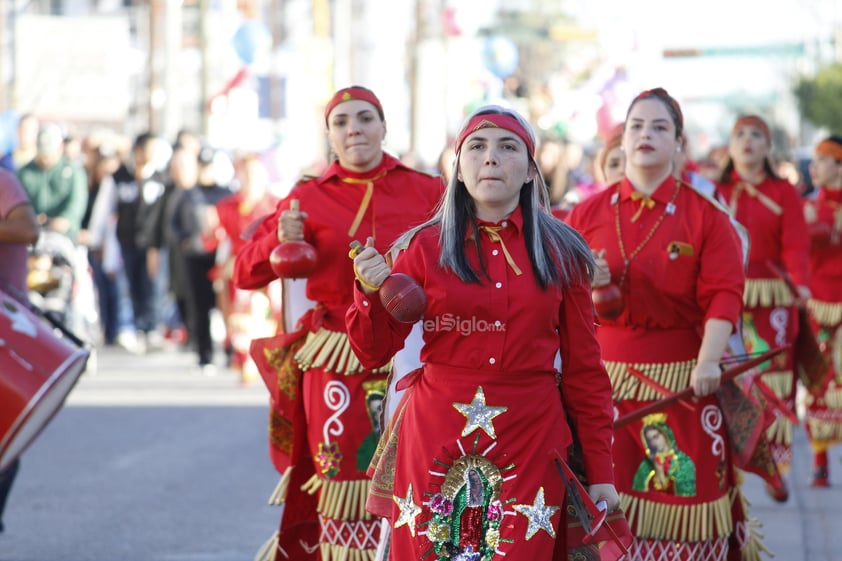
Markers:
(503, 324)
(777, 238)
(826, 251)
(688, 270)
(235, 217)
(401, 198)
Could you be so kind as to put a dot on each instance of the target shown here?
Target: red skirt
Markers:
(469, 462)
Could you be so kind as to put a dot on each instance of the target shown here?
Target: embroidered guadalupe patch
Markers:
(467, 512)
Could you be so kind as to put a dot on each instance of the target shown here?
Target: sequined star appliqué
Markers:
(539, 515)
(478, 414)
(409, 510)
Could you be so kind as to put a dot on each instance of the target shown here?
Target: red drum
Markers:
(38, 368)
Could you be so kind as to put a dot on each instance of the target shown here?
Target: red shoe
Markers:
(821, 477)
(778, 494)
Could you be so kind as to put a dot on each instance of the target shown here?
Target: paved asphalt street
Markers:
(150, 460)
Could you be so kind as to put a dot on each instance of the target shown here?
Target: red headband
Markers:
(668, 100)
(753, 121)
(830, 149)
(495, 120)
(353, 92)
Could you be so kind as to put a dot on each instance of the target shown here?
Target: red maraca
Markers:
(608, 301)
(293, 259)
(402, 297)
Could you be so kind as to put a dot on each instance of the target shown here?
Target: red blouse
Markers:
(826, 250)
(234, 220)
(401, 198)
(777, 238)
(685, 262)
(505, 323)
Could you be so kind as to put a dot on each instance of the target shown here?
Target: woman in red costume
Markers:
(677, 262)
(823, 418)
(466, 467)
(247, 313)
(320, 425)
(770, 210)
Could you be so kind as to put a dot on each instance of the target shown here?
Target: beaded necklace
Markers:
(627, 258)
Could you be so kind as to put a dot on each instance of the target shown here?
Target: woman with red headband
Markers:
(823, 213)
(467, 468)
(770, 209)
(323, 423)
(675, 264)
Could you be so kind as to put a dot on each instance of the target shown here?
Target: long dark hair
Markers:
(557, 252)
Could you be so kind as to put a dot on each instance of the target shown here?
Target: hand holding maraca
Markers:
(607, 297)
(293, 257)
(370, 266)
(402, 297)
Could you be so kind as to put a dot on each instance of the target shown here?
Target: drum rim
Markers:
(80, 356)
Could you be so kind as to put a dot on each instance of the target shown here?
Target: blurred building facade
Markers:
(256, 73)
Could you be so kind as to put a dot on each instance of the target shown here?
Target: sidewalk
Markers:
(160, 377)
(808, 527)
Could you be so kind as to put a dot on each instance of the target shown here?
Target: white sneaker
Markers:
(154, 341)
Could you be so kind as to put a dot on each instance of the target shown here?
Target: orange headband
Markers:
(353, 92)
(830, 149)
(753, 121)
(615, 138)
(495, 120)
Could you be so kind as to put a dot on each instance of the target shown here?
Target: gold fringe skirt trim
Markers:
(279, 495)
(268, 549)
(780, 431)
(331, 552)
(331, 351)
(830, 398)
(753, 545)
(825, 313)
(674, 376)
(694, 523)
(766, 293)
(340, 500)
(824, 427)
(825, 433)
